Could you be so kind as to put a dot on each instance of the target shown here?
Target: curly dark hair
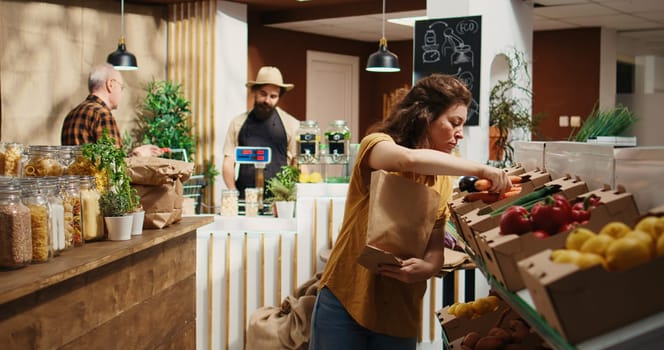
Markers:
(431, 96)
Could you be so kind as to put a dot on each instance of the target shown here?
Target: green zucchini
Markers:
(530, 199)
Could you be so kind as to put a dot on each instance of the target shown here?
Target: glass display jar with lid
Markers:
(15, 231)
(34, 197)
(71, 200)
(90, 210)
(50, 185)
(42, 161)
(307, 137)
(13, 152)
(337, 137)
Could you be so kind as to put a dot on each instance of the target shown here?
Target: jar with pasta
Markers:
(15, 231)
(66, 156)
(50, 186)
(35, 199)
(12, 159)
(42, 161)
(80, 165)
(91, 212)
(71, 200)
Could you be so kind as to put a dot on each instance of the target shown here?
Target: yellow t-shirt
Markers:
(381, 304)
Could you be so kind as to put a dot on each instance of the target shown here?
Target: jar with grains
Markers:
(71, 200)
(34, 197)
(42, 161)
(91, 212)
(12, 159)
(229, 202)
(50, 186)
(15, 231)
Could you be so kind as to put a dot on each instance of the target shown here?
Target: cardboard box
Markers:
(459, 208)
(501, 253)
(582, 304)
(457, 327)
(480, 220)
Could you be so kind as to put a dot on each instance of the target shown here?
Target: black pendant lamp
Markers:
(121, 59)
(383, 60)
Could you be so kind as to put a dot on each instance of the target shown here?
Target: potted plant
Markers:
(118, 197)
(510, 102)
(282, 190)
(165, 121)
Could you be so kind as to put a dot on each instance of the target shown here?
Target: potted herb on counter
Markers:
(282, 189)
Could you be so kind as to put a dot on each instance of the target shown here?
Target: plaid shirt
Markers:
(85, 123)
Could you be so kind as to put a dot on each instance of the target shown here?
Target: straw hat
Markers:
(270, 75)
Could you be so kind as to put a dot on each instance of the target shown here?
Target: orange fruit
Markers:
(626, 253)
(615, 229)
(651, 225)
(577, 237)
(597, 244)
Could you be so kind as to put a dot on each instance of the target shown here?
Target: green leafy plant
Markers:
(283, 186)
(110, 159)
(165, 117)
(114, 203)
(611, 122)
(510, 104)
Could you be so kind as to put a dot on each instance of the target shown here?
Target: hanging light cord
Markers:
(122, 19)
(383, 23)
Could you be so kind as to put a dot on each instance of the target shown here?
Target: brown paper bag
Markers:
(158, 182)
(402, 214)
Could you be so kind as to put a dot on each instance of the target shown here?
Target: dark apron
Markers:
(262, 133)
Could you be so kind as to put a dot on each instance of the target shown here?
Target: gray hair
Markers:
(98, 76)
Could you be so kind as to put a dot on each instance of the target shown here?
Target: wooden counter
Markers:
(136, 294)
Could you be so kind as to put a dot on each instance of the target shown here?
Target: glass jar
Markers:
(42, 161)
(229, 202)
(308, 137)
(54, 195)
(12, 159)
(67, 155)
(2, 159)
(251, 196)
(337, 137)
(90, 210)
(15, 231)
(71, 200)
(35, 199)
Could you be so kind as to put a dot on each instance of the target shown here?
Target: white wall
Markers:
(231, 49)
(506, 24)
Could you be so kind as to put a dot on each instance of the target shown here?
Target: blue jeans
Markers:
(332, 328)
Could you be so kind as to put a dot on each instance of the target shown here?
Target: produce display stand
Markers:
(647, 333)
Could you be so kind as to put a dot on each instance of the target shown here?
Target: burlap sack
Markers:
(402, 214)
(158, 182)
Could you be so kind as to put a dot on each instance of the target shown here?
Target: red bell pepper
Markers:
(581, 211)
(515, 220)
(551, 214)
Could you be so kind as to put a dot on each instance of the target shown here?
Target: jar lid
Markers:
(309, 122)
(338, 123)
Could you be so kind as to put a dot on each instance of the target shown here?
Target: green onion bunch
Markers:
(613, 122)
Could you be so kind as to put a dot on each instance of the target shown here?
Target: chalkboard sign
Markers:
(451, 46)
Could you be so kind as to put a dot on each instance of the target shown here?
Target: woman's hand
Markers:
(411, 270)
(500, 181)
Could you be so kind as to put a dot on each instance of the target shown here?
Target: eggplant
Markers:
(467, 183)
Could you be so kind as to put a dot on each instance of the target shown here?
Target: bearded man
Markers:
(265, 125)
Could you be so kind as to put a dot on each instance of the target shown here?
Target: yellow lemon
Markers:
(587, 260)
(315, 177)
(494, 301)
(645, 239)
(464, 310)
(303, 178)
(597, 244)
(577, 237)
(660, 245)
(651, 225)
(615, 229)
(625, 253)
(565, 256)
(452, 309)
(482, 306)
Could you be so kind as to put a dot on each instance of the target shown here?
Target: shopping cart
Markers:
(194, 186)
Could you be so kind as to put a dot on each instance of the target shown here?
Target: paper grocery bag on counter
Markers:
(402, 214)
(158, 182)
